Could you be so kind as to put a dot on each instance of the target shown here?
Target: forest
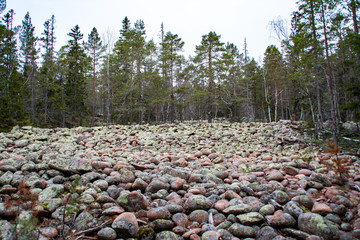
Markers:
(126, 79)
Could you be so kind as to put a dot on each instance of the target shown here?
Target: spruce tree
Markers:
(48, 71)
(95, 49)
(76, 63)
(11, 82)
(29, 56)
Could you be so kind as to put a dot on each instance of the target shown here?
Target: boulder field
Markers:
(189, 180)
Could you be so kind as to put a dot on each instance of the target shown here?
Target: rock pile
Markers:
(185, 181)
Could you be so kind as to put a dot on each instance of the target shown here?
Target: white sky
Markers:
(234, 20)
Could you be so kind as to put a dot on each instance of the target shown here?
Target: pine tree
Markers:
(29, 53)
(209, 60)
(171, 45)
(95, 50)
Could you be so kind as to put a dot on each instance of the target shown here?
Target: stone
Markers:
(251, 218)
(132, 201)
(51, 192)
(162, 224)
(84, 220)
(253, 202)
(5, 230)
(69, 165)
(102, 184)
(297, 234)
(166, 235)
(225, 234)
(321, 208)
(291, 170)
(267, 209)
(159, 212)
(115, 210)
(199, 216)
(338, 199)
(281, 220)
(195, 202)
(238, 209)
(221, 205)
(314, 223)
(139, 184)
(275, 175)
(293, 208)
(157, 185)
(266, 233)
(321, 178)
(107, 234)
(126, 225)
(210, 235)
(180, 219)
(304, 200)
(280, 197)
(242, 231)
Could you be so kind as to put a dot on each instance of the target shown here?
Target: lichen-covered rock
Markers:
(107, 234)
(126, 225)
(195, 202)
(266, 233)
(84, 221)
(5, 230)
(69, 165)
(238, 209)
(132, 201)
(281, 220)
(242, 231)
(314, 223)
(251, 218)
(166, 235)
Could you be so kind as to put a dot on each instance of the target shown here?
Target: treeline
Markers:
(314, 76)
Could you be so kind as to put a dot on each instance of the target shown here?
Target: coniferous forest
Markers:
(126, 79)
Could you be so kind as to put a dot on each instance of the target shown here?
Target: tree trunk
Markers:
(330, 80)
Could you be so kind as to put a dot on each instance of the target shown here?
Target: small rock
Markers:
(84, 221)
(321, 208)
(180, 219)
(126, 225)
(314, 223)
(266, 233)
(210, 235)
(275, 175)
(132, 201)
(221, 205)
(107, 234)
(49, 232)
(238, 209)
(293, 208)
(242, 231)
(162, 224)
(159, 212)
(281, 220)
(195, 202)
(199, 216)
(251, 218)
(157, 185)
(280, 197)
(268, 209)
(166, 235)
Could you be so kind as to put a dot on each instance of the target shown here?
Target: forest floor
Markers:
(189, 180)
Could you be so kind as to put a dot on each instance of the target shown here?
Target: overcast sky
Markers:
(234, 20)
